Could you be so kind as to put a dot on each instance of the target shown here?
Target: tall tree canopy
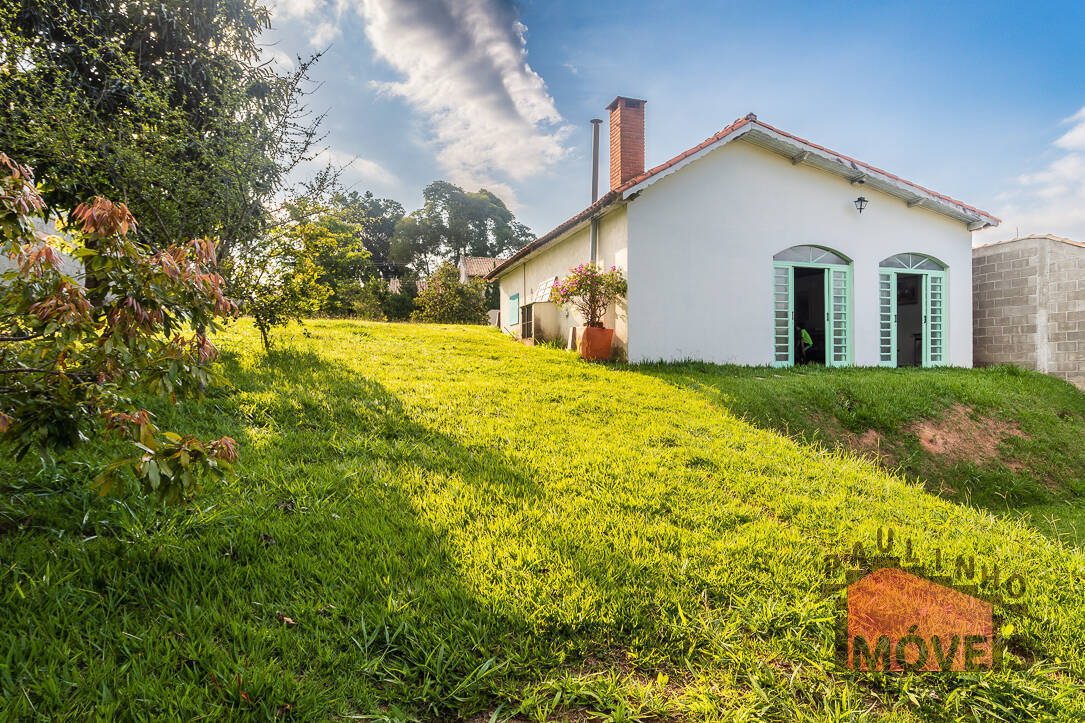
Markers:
(454, 223)
(163, 104)
(376, 219)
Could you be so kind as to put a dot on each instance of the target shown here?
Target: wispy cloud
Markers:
(278, 58)
(464, 66)
(356, 170)
(1051, 200)
(317, 19)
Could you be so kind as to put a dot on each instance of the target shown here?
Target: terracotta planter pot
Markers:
(594, 342)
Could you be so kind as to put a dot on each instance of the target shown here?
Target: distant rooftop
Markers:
(479, 265)
(1035, 237)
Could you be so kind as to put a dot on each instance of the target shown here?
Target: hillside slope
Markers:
(1009, 440)
(433, 522)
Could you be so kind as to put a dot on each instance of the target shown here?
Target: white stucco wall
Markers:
(560, 256)
(701, 243)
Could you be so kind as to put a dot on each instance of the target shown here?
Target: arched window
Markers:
(811, 307)
(913, 261)
(912, 317)
(811, 255)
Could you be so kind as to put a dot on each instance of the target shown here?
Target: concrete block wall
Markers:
(1066, 312)
(1029, 306)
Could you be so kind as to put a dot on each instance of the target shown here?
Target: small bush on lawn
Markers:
(447, 300)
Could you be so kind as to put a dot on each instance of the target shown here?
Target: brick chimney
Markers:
(626, 139)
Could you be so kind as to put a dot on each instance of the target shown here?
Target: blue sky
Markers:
(981, 101)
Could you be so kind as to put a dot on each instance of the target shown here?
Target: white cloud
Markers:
(464, 66)
(323, 34)
(1051, 200)
(318, 20)
(1074, 140)
(280, 60)
(355, 168)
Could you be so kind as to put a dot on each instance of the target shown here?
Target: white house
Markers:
(733, 246)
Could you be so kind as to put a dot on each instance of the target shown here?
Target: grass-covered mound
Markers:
(434, 522)
(1009, 440)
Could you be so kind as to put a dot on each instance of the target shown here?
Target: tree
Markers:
(71, 356)
(368, 299)
(447, 300)
(453, 223)
(282, 282)
(416, 245)
(377, 218)
(399, 305)
(336, 240)
(164, 104)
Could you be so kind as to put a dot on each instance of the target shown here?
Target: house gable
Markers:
(799, 151)
(803, 152)
(701, 248)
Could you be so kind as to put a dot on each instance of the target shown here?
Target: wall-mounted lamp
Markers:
(860, 204)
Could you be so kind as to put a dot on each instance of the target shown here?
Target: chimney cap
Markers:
(629, 102)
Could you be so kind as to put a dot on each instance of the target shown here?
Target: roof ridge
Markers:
(748, 119)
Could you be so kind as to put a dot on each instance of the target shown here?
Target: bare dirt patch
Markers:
(963, 436)
(870, 443)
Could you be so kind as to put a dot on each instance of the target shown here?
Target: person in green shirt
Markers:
(806, 343)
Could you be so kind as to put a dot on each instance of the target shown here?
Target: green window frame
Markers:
(934, 329)
(887, 318)
(935, 326)
(514, 310)
(838, 303)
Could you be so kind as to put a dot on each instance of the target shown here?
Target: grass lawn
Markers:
(435, 523)
(1008, 440)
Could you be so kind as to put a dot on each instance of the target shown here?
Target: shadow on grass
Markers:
(315, 578)
(310, 581)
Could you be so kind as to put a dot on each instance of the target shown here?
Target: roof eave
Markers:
(562, 231)
(798, 150)
(803, 152)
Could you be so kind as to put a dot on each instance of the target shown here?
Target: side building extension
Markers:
(1029, 305)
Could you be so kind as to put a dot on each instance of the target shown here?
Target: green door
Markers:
(887, 318)
(837, 316)
(934, 319)
(933, 327)
(837, 307)
(783, 300)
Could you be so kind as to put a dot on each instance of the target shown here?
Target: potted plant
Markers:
(591, 290)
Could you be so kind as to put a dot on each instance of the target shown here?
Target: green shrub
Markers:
(447, 300)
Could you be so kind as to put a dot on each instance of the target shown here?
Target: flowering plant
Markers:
(590, 290)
